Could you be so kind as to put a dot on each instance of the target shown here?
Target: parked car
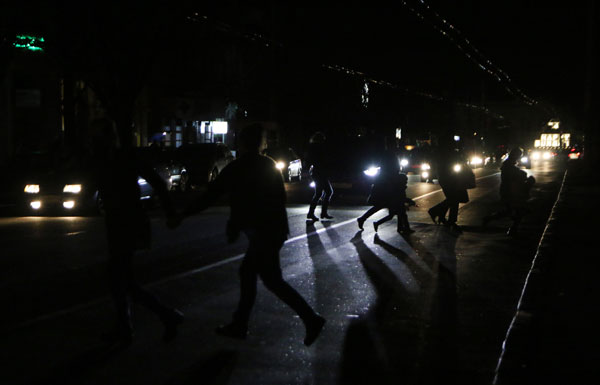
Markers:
(53, 185)
(203, 161)
(164, 162)
(287, 162)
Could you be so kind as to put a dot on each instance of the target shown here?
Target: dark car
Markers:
(355, 162)
(420, 161)
(203, 161)
(164, 162)
(51, 184)
(287, 161)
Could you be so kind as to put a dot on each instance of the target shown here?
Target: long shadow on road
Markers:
(405, 338)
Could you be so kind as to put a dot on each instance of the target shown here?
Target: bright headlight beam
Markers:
(372, 171)
(524, 159)
(72, 188)
(32, 188)
(69, 204)
(404, 162)
(425, 166)
(35, 205)
(280, 165)
(457, 168)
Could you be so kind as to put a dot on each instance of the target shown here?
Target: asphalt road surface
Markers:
(429, 308)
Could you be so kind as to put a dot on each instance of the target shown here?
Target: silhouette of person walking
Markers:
(257, 200)
(389, 191)
(451, 178)
(320, 170)
(514, 191)
(127, 227)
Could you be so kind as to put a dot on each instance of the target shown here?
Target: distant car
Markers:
(64, 186)
(477, 159)
(164, 162)
(419, 161)
(203, 161)
(287, 162)
(355, 163)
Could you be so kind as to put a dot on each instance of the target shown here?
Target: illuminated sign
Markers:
(29, 43)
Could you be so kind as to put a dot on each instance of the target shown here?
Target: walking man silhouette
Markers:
(320, 170)
(257, 200)
(127, 227)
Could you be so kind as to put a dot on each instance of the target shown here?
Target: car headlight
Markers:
(535, 155)
(524, 159)
(372, 171)
(404, 162)
(32, 188)
(280, 165)
(476, 160)
(312, 184)
(425, 174)
(142, 181)
(425, 166)
(69, 204)
(457, 167)
(72, 188)
(547, 155)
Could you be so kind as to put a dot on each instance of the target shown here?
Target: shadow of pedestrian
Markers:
(214, 370)
(331, 290)
(438, 361)
(376, 349)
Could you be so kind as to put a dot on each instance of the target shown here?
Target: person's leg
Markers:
(170, 317)
(517, 217)
(327, 194)
(438, 212)
(361, 220)
(118, 265)
(315, 200)
(270, 273)
(388, 217)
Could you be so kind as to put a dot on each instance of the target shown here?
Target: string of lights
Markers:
(453, 34)
(269, 43)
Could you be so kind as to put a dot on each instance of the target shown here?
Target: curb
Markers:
(520, 345)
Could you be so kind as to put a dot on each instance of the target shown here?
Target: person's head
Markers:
(515, 154)
(317, 137)
(252, 138)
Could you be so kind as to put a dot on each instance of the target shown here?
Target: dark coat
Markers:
(256, 197)
(452, 183)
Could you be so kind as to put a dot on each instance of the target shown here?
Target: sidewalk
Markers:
(552, 337)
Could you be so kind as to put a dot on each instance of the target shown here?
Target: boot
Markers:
(311, 213)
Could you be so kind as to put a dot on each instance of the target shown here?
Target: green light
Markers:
(29, 43)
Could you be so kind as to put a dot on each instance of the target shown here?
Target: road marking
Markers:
(198, 270)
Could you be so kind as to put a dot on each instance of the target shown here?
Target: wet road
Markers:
(432, 308)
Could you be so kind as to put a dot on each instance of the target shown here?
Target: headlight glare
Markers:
(32, 188)
(524, 159)
(280, 165)
(476, 160)
(372, 171)
(72, 188)
(404, 162)
(425, 166)
(457, 167)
